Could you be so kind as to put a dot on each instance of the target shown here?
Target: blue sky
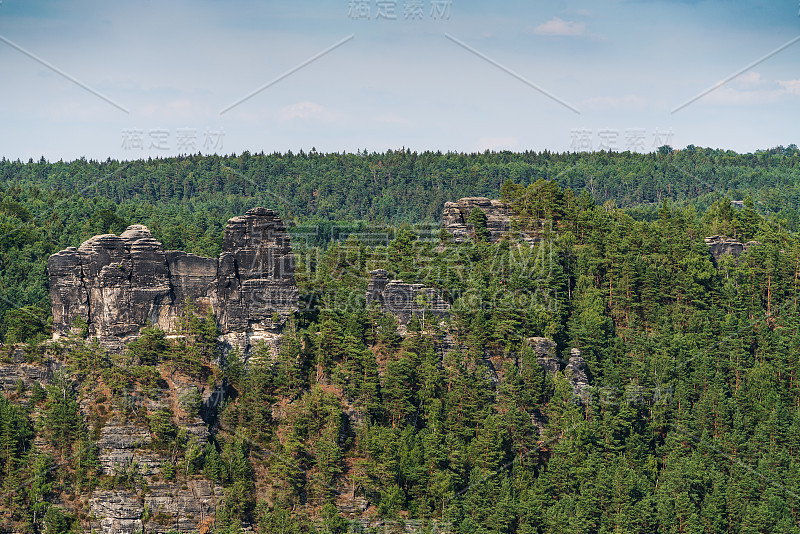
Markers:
(398, 81)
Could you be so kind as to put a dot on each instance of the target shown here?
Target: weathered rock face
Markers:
(574, 369)
(15, 372)
(170, 508)
(722, 246)
(116, 284)
(576, 374)
(454, 218)
(186, 509)
(255, 274)
(545, 349)
(121, 511)
(405, 300)
(122, 444)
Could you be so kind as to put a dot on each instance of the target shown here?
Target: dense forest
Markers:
(185, 201)
(691, 422)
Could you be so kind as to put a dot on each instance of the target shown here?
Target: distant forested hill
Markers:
(404, 186)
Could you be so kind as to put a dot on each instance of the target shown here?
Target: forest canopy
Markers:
(690, 421)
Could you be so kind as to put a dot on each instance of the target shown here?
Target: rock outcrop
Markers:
(720, 246)
(186, 508)
(168, 508)
(120, 512)
(576, 374)
(121, 444)
(117, 284)
(574, 369)
(454, 217)
(545, 349)
(405, 300)
(16, 373)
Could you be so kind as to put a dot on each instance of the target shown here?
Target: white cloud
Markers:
(728, 95)
(557, 26)
(749, 95)
(176, 109)
(305, 111)
(749, 78)
(791, 87)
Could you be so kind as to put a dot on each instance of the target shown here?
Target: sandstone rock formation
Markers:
(119, 511)
(125, 445)
(187, 508)
(574, 369)
(545, 349)
(174, 508)
(116, 284)
(722, 246)
(15, 371)
(454, 218)
(120, 445)
(405, 300)
(576, 374)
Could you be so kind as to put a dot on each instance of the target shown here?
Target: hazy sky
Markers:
(145, 79)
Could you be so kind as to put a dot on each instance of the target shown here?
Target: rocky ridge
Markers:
(117, 284)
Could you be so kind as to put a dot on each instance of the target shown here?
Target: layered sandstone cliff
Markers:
(117, 284)
(454, 217)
